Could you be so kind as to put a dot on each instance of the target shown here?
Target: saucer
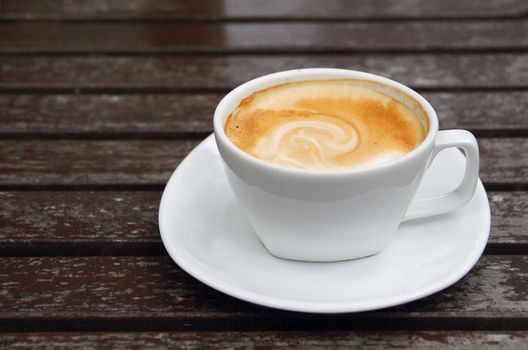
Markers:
(205, 233)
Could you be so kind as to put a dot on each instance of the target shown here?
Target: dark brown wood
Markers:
(66, 162)
(268, 340)
(263, 37)
(509, 217)
(154, 292)
(479, 71)
(490, 113)
(481, 112)
(80, 217)
(121, 217)
(255, 9)
(90, 162)
(145, 113)
(503, 161)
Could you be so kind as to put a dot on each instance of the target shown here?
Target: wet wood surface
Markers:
(258, 10)
(150, 162)
(77, 73)
(76, 37)
(258, 340)
(100, 100)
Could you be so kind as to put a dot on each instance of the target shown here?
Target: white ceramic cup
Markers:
(344, 214)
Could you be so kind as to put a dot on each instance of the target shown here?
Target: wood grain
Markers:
(90, 162)
(509, 216)
(145, 113)
(497, 159)
(425, 71)
(100, 292)
(80, 217)
(74, 37)
(255, 9)
(268, 340)
(486, 113)
(107, 217)
(67, 162)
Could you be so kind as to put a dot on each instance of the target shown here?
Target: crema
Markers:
(326, 124)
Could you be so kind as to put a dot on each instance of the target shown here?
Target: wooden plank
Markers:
(509, 217)
(145, 113)
(255, 9)
(78, 162)
(122, 292)
(503, 161)
(38, 218)
(268, 340)
(482, 112)
(79, 217)
(74, 37)
(90, 162)
(44, 73)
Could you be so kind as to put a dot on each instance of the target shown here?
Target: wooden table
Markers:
(100, 100)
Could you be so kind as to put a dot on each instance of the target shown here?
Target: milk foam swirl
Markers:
(324, 125)
(317, 140)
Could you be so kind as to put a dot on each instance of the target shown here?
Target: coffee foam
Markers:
(326, 124)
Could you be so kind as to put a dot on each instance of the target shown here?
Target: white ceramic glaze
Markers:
(204, 230)
(336, 214)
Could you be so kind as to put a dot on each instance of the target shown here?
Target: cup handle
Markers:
(457, 198)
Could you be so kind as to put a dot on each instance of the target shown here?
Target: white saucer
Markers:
(204, 232)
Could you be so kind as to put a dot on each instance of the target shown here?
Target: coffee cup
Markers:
(338, 214)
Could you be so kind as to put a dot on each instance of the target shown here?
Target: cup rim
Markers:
(305, 74)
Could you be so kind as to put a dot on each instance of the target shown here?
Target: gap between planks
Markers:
(142, 187)
(49, 90)
(265, 51)
(256, 52)
(14, 18)
(267, 322)
(171, 136)
(94, 249)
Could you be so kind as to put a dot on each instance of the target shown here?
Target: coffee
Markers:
(327, 124)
